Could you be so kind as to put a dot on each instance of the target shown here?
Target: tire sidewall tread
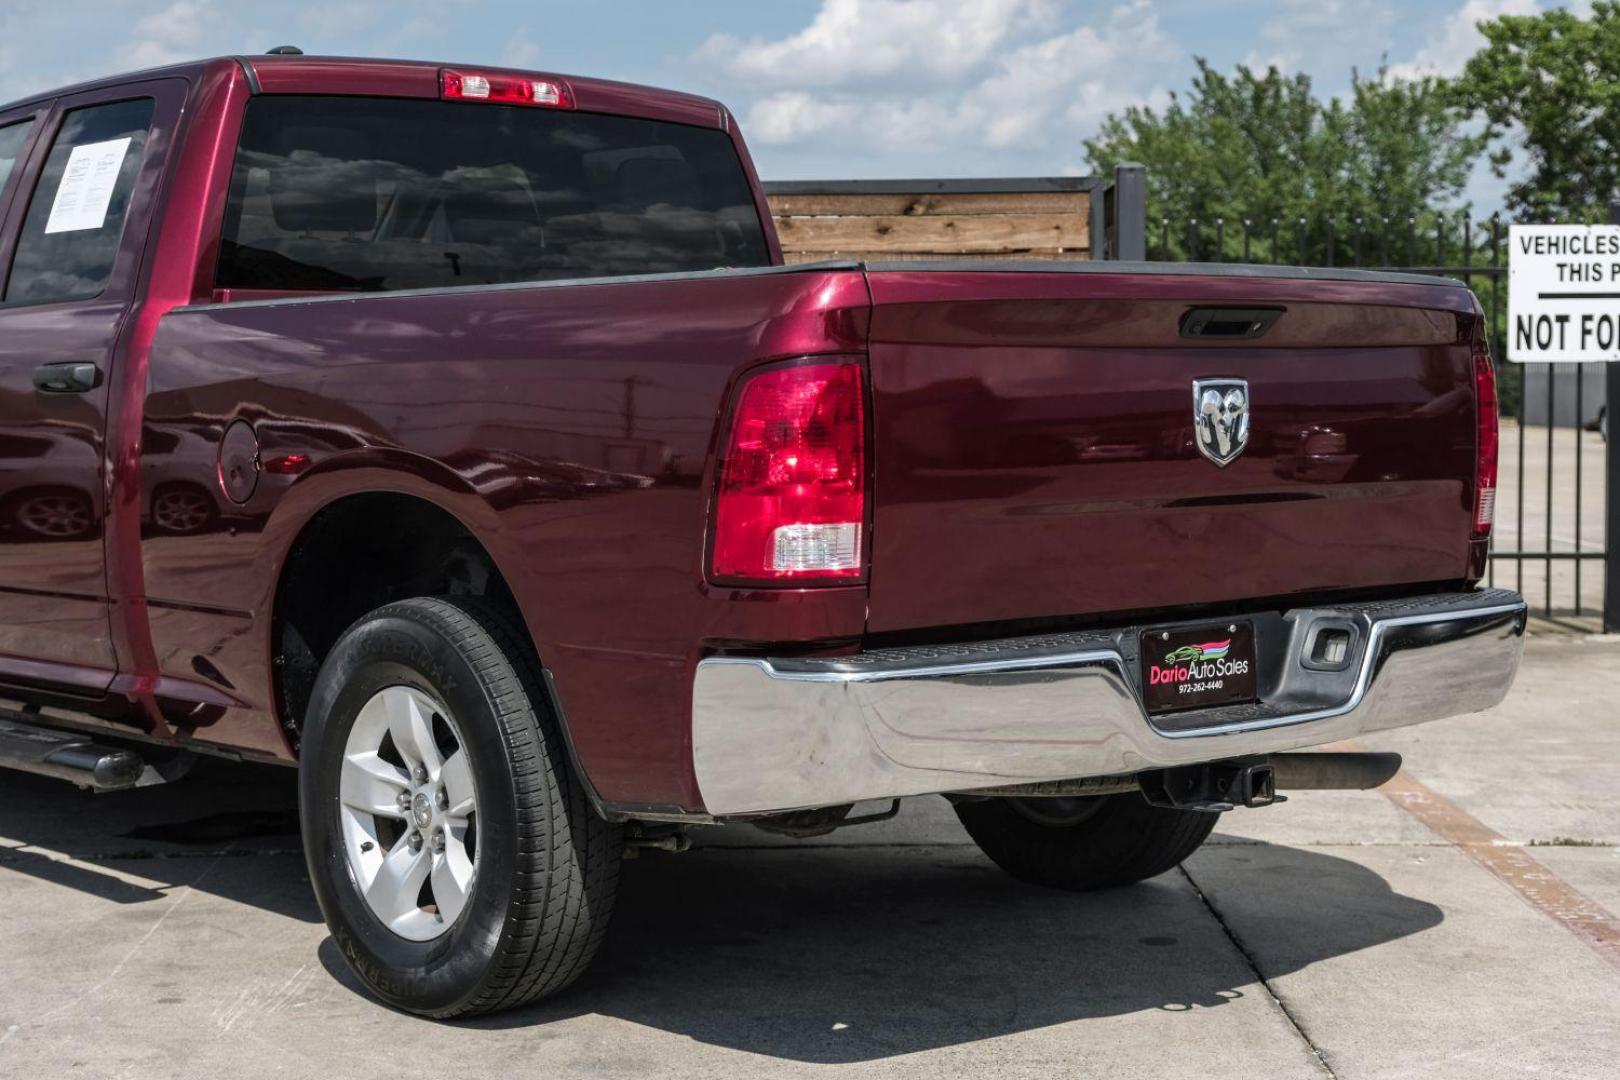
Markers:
(546, 879)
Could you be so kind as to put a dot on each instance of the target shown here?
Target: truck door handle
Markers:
(66, 378)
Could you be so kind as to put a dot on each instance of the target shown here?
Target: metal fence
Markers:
(1558, 496)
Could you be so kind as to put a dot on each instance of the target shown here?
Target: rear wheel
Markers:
(1084, 843)
(458, 864)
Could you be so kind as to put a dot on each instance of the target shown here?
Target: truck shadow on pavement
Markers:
(865, 946)
(841, 954)
(135, 847)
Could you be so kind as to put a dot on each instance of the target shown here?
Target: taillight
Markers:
(1486, 443)
(503, 89)
(790, 503)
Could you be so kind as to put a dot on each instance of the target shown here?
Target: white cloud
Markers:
(1301, 33)
(897, 123)
(793, 115)
(852, 40)
(191, 29)
(521, 51)
(181, 31)
(1459, 38)
(47, 43)
(1011, 77)
(1072, 81)
(338, 19)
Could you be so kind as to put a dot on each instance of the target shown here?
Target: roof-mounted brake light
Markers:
(504, 89)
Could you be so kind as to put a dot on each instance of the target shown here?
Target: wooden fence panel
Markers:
(923, 219)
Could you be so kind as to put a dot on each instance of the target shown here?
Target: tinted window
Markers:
(12, 137)
(76, 216)
(355, 193)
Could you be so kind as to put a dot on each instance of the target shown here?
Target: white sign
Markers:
(1563, 293)
(87, 186)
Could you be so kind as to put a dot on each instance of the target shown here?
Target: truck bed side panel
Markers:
(570, 426)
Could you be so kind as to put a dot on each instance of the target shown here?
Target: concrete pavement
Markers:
(170, 932)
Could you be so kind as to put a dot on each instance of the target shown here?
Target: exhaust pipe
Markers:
(1218, 786)
(1334, 771)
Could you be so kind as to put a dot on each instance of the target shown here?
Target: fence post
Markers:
(1130, 212)
(1102, 198)
(1611, 535)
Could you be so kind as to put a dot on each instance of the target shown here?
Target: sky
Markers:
(825, 89)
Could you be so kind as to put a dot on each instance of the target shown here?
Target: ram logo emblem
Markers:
(1221, 418)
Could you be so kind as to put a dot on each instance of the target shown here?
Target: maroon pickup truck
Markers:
(460, 437)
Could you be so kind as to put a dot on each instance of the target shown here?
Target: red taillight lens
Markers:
(791, 499)
(504, 89)
(1487, 442)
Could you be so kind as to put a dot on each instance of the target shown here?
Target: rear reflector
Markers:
(1487, 442)
(791, 500)
(504, 89)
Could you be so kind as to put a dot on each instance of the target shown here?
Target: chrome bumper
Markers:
(783, 734)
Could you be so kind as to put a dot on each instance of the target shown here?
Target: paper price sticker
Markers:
(87, 185)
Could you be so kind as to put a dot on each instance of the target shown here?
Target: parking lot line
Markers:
(1511, 864)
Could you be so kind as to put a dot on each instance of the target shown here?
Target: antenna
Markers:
(285, 50)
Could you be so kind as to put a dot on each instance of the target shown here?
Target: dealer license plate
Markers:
(1197, 667)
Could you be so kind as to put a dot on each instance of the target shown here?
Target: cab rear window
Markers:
(331, 194)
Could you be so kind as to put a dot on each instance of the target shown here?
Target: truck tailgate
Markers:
(1035, 455)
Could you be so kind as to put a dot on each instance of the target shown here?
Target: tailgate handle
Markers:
(1230, 324)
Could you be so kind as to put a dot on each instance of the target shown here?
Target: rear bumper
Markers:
(782, 734)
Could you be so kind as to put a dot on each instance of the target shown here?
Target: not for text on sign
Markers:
(1563, 293)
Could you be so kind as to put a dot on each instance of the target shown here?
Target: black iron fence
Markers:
(1558, 496)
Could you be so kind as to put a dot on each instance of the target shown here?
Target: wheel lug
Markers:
(415, 841)
(403, 799)
(438, 840)
(443, 799)
(419, 774)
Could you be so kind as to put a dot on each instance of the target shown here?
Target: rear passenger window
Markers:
(371, 194)
(75, 219)
(12, 138)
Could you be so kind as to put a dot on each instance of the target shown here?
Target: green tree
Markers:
(1263, 149)
(1550, 83)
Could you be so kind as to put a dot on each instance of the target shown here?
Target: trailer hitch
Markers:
(642, 836)
(1214, 787)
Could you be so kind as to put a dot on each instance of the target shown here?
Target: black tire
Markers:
(548, 864)
(1079, 844)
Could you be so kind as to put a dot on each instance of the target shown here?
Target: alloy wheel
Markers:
(409, 811)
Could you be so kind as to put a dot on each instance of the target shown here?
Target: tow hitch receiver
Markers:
(1214, 787)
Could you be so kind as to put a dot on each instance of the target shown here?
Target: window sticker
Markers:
(87, 186)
